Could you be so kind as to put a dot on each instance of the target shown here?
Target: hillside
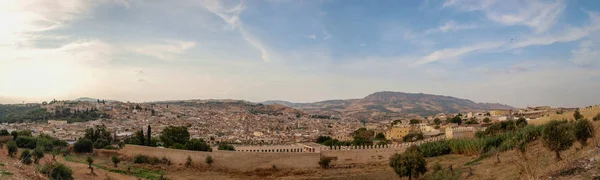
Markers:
(88, 99)
(395, 103)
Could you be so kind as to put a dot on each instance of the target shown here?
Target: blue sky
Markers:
(529, 52)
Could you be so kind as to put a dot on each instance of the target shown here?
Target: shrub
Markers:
(412, 137)
(177, 146)
(188, 161)
(101, 143)
(583, 130)
(577, 115)
(226, 147)
(432, 149)
(90, 161)
(197, 145)
(521, 122)
(26, 157)
(4, 132)
(410, 163)
(115, 160)
(26, 142)
(12, 148)
(557, 136)
(57, 171)
(38, 154)
(144, 159)
(110, 147)
(83, 145)
(209, 160)
(324, 161)
(174, 134)
(166, 161)
(486, 120)
(597, 117)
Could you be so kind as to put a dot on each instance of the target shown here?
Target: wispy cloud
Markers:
(450, 26)
(452, 53)
(587, 53)
(164, 51)
(232, 18)
(312, 36)
(539, 16)
(326, 35)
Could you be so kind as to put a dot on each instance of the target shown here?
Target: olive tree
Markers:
(557, 136)
(409, 164)
(583, 130)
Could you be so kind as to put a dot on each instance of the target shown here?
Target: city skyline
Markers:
(518, 53)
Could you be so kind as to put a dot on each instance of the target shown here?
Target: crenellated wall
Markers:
(590, 108)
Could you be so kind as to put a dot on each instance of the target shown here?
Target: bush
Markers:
(4, 132)
(583, 130)
(38, 154)
(324, 161)
(12, 148)
(115, 160)
(110, 147)
(198, 145)
(144, 159)
(557, 136)
(83, 145)
(177, 146)
(226, 147)
(57, 171)
(26, 142)
(188, 161)
(26, 157)
(410, 163)
(101, 143)
(412, 137)
(209, 160)
(432, 149)
(521, 122)
(597, 117)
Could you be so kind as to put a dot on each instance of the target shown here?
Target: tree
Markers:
(174, 134)
(89, 160)
(26, 157)
(456, 119)
(14, 134)
(583, 130)
(597, 117)
(437, 121)
(99, 136)
(577, 115)
(115, 160)
(12, 148)
(557, 136)
(149, 138)
(486, 120)
(197, 145)
(83, 145)
(362, 136)
(412, 137)
(414, 121)
(188, 161)
(324, 161)
(521, 122)
(208, 160)
(121, 144)
(4, 132)
(141, 140)
(38, 154)
(409, 164)
(322, 139)
(380, 136)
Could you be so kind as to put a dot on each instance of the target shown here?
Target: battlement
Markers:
(383, 147)
(590, 108)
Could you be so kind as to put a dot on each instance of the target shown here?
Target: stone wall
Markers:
(590, 108)
(242, 161)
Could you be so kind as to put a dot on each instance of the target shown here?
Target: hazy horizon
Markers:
(515, 52)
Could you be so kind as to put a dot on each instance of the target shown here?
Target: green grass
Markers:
(135, 171)
(5, 173)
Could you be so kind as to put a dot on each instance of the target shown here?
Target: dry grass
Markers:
(567, 115)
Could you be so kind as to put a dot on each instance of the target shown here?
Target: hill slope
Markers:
(396, 103)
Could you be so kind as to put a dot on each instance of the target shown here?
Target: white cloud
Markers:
(586, 54)
(539, 16)
(312, 36)
(326, 35)
(451, 53)
(450, 26)
(164, 51)
(232, 18)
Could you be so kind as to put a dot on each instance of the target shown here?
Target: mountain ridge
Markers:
(396, 103)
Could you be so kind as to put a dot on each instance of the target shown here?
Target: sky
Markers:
(520, 53)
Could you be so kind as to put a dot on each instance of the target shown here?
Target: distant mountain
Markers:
(88, 99)
(390, 103)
